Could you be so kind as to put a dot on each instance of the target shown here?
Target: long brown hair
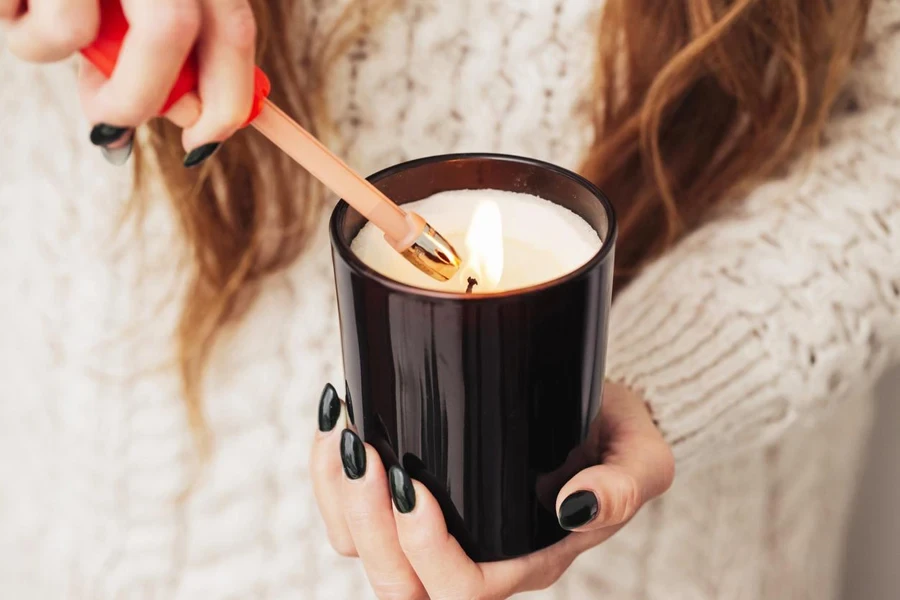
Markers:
(694, 101)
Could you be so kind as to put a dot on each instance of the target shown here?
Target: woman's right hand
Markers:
(161, 35)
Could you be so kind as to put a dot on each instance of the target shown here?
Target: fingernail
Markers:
(349, 402)
(116, 143)
(104, 135)
(119, 152)
(402, 490)
(198, 155)
(117, 156)
(329, 408)
(578, 510)
(353, 455)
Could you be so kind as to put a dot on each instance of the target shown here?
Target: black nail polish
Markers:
(104, 135)
(353, 455)
(578, 510)
(198, 155)
(402, 490)
(329, 408)
(349, 402)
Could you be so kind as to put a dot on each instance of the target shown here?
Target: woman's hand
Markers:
(161, 35)
(405, 548)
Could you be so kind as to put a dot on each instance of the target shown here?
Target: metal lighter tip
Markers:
(433, 255)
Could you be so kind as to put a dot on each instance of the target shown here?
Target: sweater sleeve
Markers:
(771, 314)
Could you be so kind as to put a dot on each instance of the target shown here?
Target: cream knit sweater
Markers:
(757, 339)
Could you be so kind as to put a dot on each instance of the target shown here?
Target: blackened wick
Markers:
(472, 283)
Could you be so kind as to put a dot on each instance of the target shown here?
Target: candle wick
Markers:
(472, 283)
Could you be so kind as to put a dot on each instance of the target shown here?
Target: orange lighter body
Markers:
(104, 53)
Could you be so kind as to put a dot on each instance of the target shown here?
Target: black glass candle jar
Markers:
(480, 397)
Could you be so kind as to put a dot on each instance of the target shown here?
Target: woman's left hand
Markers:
(406, 549)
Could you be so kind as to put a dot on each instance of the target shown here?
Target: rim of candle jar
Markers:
(356, 264)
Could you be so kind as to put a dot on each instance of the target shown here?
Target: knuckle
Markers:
(175, 21)
(666, 464)
(83, 30)
(630, 501)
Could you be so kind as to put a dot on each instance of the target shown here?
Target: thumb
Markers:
(637, 468)
(598, 497)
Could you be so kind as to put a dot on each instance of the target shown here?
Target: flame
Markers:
(484, 243)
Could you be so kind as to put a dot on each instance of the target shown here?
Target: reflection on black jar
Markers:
(482, 398)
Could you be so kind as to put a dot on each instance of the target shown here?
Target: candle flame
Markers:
(484, 243)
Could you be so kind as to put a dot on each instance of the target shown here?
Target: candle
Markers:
(507, 240)
(484, 398)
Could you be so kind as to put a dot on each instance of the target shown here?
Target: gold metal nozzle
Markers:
(433, 255)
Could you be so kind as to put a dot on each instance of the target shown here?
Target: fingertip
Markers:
(423, 525)
(196, 136)
(354, 456)
(104, 107)
(403, 492)
(324, 457)
(342, 543)
(214, 120)
(204, 129)
(598, 497)
(364, 496)
(426, 506)
(578, 510)
(330, 408)
(201, 154)
(374, 467)
(325, 472)
(440, 563)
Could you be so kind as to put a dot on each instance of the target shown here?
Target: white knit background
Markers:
(758, 339)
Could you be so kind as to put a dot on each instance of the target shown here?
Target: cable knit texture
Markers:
(757, 339)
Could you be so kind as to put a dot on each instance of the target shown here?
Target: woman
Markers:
(749, 146)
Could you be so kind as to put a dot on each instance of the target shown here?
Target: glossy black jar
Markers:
(478, 396)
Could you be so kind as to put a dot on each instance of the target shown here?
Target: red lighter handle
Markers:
(104, 53)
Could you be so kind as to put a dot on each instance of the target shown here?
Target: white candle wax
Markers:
(533, 240)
